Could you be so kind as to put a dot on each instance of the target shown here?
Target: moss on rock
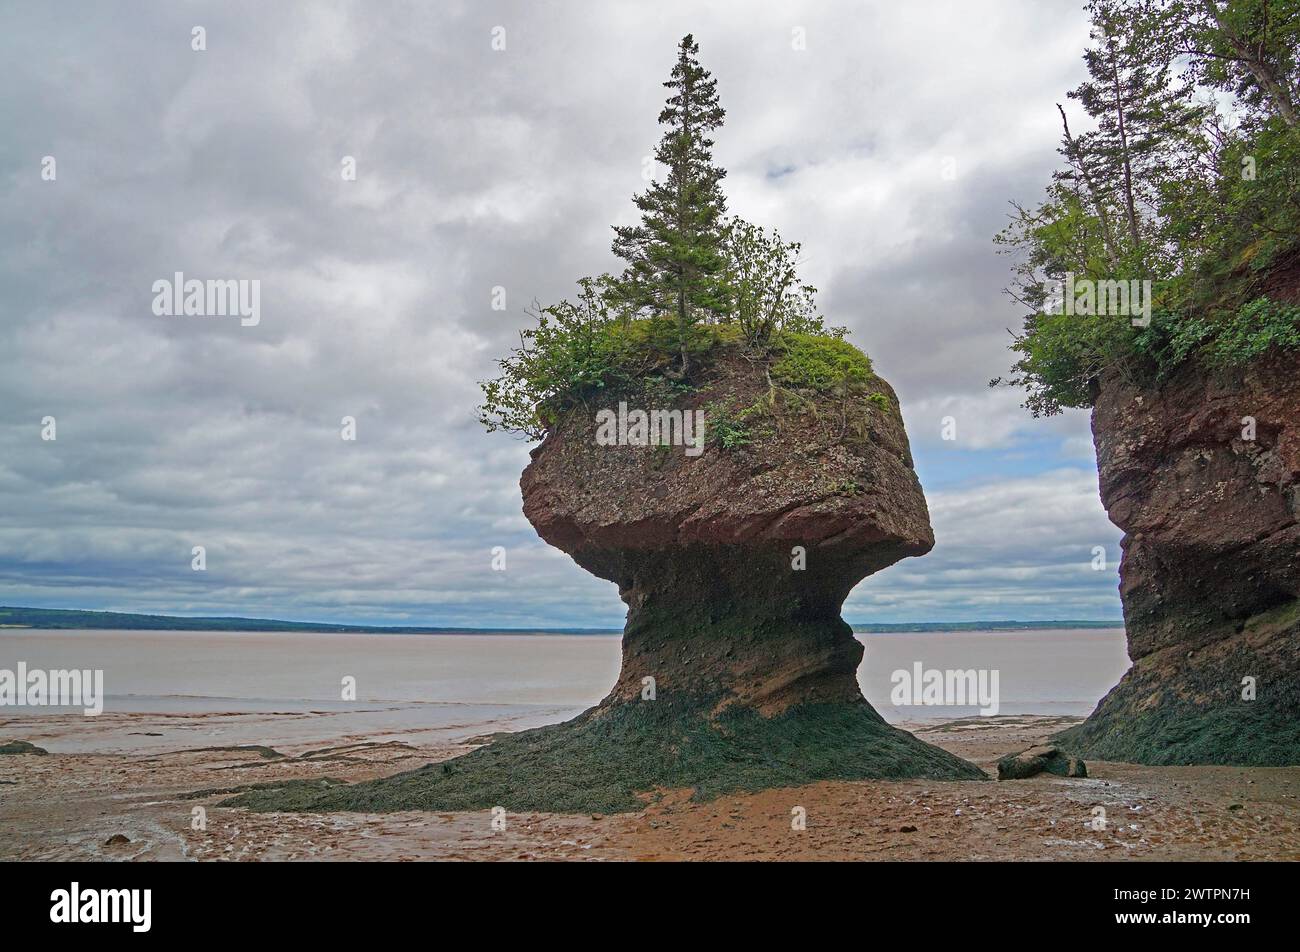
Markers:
(817, 362)
(21, 747)
(1178, 707)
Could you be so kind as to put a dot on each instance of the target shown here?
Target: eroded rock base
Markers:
(1181, 706)
(738, 675)
(607, 760)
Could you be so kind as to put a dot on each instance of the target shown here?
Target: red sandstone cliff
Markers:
(1203, 475)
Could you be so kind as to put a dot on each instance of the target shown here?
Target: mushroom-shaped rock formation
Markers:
(734, 557)
(734, 564)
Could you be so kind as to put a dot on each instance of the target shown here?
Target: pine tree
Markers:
(1146, 121)
(675, 260)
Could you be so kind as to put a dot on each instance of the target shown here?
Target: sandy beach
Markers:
(139, 802)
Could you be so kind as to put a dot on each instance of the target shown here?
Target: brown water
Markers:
(452, 686)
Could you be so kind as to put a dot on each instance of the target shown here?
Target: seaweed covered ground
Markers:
(609, 758)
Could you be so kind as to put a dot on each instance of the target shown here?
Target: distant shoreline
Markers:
(985, 626)
(58, 618)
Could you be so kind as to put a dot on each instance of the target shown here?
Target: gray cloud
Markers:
(478, 169)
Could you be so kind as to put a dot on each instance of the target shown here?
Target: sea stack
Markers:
(1202, 472)
(734, 565)
(737, 671)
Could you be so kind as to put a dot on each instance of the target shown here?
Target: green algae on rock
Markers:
(21, 747)
(600, 761)
(1043, 758)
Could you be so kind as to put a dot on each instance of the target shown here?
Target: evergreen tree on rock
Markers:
(675, 260)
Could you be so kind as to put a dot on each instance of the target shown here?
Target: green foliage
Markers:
(694, 284)
(574, 350)
(1247, 48)
(811, 362)
(1204, 205)
(1147, 127)
(762, 286)
(730, 428)
(1062, 355)
(1245, 334)
(650, 345)
(674, 255)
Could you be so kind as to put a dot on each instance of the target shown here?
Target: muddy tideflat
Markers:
(80, 805)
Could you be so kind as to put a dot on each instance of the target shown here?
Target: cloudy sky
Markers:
(479, 168)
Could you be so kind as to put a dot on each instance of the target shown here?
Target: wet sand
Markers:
(70, 804)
